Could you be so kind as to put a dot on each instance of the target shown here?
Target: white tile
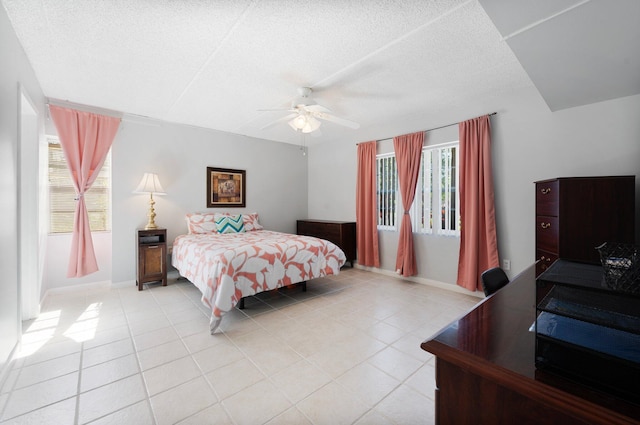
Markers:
(149, 324)
(332, 404)
(48, 369)
(228, 380)
(181, 316)
(138, 414)
(62, 412)
(406, 406)
(51, 351)
(107, 372)
(213, 415)
(395, 363)
(162, 354)
(410, 344)
(10, 381)
(183, 401)
(110, 398)
(107, 352)
(424, 380)
(374, 417)
(201, 340)
(290, 417)
(107, 336)
(385, 332)
(170, 374)
(256, 404)
(41, 394)
(299, 380)
(199, 325)
(154, 338)
(217, 356)
(3, 400)
(368, 383)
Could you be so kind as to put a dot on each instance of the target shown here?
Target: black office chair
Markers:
(493, 279)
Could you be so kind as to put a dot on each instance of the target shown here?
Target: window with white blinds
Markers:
(387, 191)
(62, 194)
(435, 208)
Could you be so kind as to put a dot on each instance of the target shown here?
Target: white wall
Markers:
(276, 176)
(14, 72)
(529, 143)
(57, 261)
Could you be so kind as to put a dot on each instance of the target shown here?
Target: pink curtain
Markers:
(408, 149)
(478, 241)
(367, 206)
(85, 139)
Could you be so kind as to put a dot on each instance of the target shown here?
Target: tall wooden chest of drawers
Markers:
(574, 215)
(341, 233)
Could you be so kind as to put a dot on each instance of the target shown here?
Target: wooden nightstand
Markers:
(152, 256)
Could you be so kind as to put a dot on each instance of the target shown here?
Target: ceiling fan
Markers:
(305, 114)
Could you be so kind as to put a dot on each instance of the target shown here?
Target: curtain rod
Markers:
(84, 108)
(431, 129)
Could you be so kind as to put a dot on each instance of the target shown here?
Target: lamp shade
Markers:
(305, 123)
(150, 184)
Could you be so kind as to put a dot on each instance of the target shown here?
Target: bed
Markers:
(226, 267)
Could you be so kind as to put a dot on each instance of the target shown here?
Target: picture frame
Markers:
(226, 187)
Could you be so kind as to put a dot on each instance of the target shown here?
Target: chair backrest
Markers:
(493, 279)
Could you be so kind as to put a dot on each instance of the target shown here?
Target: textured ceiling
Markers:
(216, 64)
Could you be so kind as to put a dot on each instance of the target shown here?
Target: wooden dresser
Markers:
(575, 215)
(341, 233)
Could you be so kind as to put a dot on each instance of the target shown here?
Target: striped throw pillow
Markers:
(230, 224)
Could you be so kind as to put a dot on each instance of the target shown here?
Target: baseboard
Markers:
(422, 280)
(105, 284)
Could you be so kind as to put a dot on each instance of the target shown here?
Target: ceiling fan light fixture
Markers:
(312, 125)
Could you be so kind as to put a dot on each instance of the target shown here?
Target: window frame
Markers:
(67, 188)
(423, 206)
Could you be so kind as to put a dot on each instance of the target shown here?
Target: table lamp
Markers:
(150, 184)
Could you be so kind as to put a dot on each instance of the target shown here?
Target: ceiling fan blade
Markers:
(317, 108)
(276, 110)
(279, 120)
(340, 121)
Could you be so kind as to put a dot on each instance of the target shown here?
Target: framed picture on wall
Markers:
(226, 187)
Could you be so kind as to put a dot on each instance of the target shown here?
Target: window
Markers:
(62, 194)
(387, 191)
(435, 207)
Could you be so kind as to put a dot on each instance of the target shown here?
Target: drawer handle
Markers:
(543, 258)
(546, 190)
(151, 247)
(545, 225)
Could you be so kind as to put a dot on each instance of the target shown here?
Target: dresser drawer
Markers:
(547, 233)
(545, 260)
(341, 233)
(328, 231)
(548, 198)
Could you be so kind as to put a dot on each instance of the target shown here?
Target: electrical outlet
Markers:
(506, 265)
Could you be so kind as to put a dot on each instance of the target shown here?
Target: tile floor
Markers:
(347, 351)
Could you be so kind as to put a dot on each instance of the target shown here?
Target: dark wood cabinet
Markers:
(574, 215)
(341, 233)
(152, 256)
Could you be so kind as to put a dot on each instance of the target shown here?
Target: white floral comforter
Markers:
(227, 267)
